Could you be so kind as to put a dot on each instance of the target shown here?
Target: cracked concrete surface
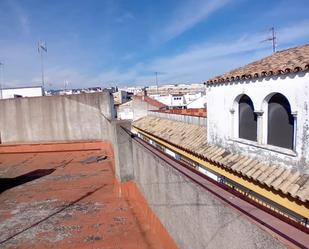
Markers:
(75, 205)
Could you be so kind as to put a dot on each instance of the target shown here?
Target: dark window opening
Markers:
(247, 119)
(280, 122)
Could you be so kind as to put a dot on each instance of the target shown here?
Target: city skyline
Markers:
(106, 43)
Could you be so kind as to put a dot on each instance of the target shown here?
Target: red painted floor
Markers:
(66, 196)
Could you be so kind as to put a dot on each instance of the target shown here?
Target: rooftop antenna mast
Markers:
(42, 48)
(156, 73)
(273, 38)
(66, 83)
(1, 78)
(157, 83)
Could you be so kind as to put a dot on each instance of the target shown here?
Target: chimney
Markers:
(144, 91)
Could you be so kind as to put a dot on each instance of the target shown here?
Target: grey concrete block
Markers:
(56, 118)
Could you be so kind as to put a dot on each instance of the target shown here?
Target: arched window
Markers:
(247, 119)
(280, 122)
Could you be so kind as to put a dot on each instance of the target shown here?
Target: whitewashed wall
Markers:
(9, 93)
(222, 117)
(178, 100)
(185, 99)
(125, 111)
(135, 109)
(190, 97)
(166, 100)
(198, 103)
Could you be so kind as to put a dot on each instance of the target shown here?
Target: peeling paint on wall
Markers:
(222, 121)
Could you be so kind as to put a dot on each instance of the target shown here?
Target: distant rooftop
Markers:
(151, 101)
(20, 87)
(282, 62)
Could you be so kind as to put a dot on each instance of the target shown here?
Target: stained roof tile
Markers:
(193, 138)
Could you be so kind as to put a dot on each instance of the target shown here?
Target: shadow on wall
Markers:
(8, 183)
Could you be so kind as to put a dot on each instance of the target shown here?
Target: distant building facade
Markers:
(20, 92)
(200, 102)
(176, 89)
(75, 91)
(121, 97)
(179, 101)
(135, 90)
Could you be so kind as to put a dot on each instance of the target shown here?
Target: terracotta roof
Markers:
(196, 112)
(66, 196)
(150, 101)
(193, 138)
(282, 62)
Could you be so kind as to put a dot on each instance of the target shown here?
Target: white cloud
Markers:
(128, 56)
(205, 60)
(127, 16)
(195, 64)
(187, 16)
(293, 33)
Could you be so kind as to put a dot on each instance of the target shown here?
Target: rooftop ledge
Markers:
(269, 147)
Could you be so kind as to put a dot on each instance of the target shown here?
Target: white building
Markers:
(197, 103)
(138, 107)
(176, 89)
(73, 91)
(120, 97)
(177, 100)
(262, 109)
(126, 111)
(19, 92)
(134, 89)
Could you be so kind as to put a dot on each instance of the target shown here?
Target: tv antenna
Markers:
(156, 75)
(66, 83)
(1, 78)
(42, 47)
(273, 38)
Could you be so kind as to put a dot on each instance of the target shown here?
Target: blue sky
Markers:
(114, 42)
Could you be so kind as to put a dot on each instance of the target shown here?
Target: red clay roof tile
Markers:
(151, 101)
(282, 62)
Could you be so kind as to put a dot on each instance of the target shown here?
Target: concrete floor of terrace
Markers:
(66, 196)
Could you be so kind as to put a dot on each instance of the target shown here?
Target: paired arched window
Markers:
(247, 119)
(280, 122)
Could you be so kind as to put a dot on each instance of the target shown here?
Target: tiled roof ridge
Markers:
(192, 138)
(286, 61)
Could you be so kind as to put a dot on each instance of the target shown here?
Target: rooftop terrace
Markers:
(66, 196)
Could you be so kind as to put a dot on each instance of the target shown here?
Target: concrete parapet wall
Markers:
(122, 144)
(202, 121)
(56, 118)
(193, 217)
(67, 118)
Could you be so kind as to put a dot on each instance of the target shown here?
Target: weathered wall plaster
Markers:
(222, 121)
